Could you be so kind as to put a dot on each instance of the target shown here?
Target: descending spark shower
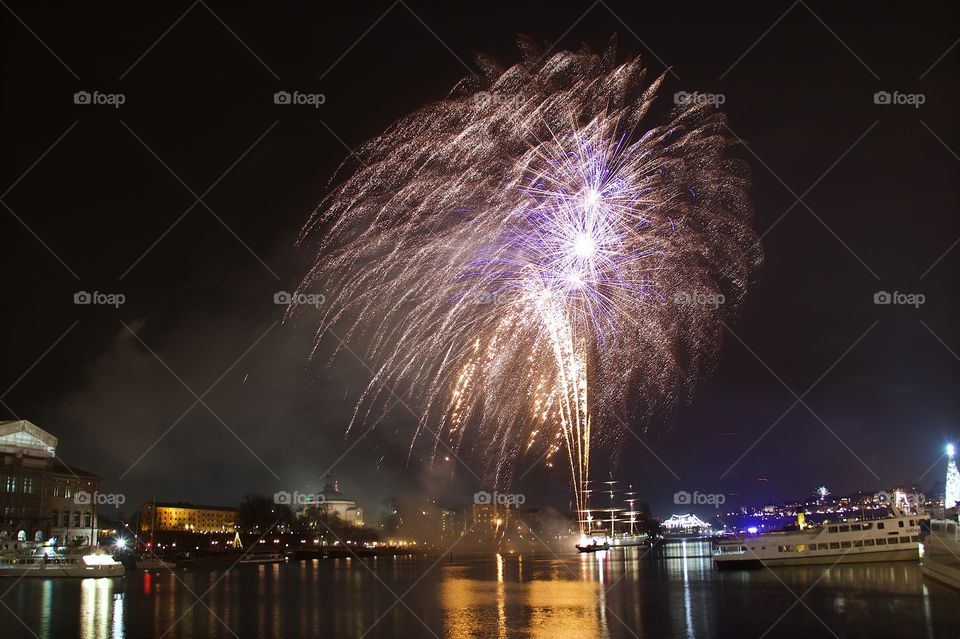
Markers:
(531, 269)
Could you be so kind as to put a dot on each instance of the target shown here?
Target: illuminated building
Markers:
(186, 517)
(685, 524)
(40, 496)
(331, 502)
(452, 525)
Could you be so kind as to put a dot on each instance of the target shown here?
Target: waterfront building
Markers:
(40, 496)
(449, 529)
(182, 516)
(330, 501)
(686, 524)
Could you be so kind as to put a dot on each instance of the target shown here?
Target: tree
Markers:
(259, 513)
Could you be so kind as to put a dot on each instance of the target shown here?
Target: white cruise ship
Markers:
(29, 559)
(896, 538)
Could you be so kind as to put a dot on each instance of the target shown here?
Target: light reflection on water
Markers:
(670, 591)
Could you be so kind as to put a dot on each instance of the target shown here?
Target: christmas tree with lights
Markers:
(952, 492)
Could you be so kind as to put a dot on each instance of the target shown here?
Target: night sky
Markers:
(192, 390)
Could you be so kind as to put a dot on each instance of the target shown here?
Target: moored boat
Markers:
(25, 559)
(895, 538)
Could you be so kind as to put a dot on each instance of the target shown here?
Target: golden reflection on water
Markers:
(625, 592)
(559, 606)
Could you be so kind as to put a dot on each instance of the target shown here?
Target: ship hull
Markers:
(53, 572)
(901, 554)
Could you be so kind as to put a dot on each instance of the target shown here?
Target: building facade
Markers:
(331, 502)
(41, 497)
(182, 516)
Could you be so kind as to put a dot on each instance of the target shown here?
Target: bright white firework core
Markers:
(583, 246)
(591, 198)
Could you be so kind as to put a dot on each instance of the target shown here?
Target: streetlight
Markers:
(951, 451)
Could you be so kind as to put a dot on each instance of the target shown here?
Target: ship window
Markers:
(834, 545)
(854, 526)
(867, 542)
(867, 526)
(915, 538)
(879, 525)
(913, 522)
(893, 540)
(881, 542)
(832, 529)
(844, 528)
(901, 523)
(823, 546)
(845, 544)
(801, 548)
(858, 544)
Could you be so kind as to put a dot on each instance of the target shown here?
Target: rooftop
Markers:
(186, 504)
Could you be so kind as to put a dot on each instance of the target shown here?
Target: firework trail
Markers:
(531, 268)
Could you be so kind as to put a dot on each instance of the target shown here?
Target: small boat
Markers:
(595, 541)
(262, 558)
(896, 538)
(31, 559)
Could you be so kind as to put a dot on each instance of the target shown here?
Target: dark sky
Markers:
(100, 199)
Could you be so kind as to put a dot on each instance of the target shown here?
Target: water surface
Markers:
(674, 591)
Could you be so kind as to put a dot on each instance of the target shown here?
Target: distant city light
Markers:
(752, 530)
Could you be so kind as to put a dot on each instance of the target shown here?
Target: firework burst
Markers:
(525, 263)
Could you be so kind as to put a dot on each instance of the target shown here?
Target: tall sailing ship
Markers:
(600, 525)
